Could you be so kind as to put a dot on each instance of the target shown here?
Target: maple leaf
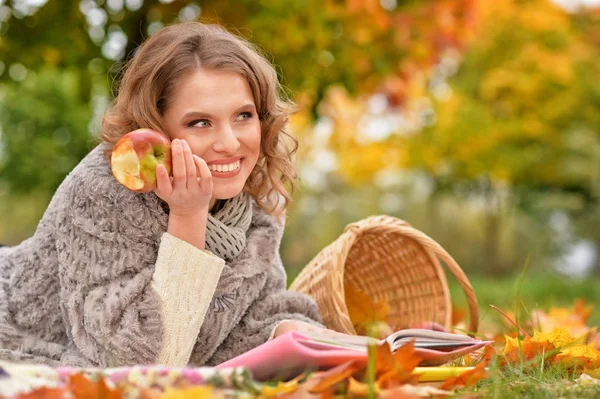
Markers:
(281, 388)
(362, 309)
(579, 357)
(558, 337)
(304, 390)
(572, 319)
(470, 377)
(44, 393)
(458, 315)
(413, 392)
(81, 387)
(199, 392)
(527, 349)
(329, 379)
(357, 388)
(541, 344)
(396, 368)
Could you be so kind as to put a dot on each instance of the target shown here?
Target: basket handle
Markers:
(390, 224)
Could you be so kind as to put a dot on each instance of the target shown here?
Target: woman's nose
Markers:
(227, 141)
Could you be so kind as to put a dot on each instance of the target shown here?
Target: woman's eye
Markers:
(199, 123)
(245, 115)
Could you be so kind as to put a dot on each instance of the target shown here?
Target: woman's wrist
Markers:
(189, 228)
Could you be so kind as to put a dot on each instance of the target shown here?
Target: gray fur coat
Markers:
(78, 292)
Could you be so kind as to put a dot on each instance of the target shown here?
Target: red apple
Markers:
(135, 157)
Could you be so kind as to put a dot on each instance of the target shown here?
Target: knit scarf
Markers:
(226, 229)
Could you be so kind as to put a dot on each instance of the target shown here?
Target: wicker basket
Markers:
(386, 258)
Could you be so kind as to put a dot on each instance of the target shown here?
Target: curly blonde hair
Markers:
(150, 77)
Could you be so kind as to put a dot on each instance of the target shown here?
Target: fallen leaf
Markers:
(282, 387)
(526, 349)
(470, 377)
(362, 308)
(458, 315)
(397, 393)
(579, 357)
(413, 391)
(595, 340)
(82, 387)
(202, 392)
(558, 337)
(44, 393)
(357, 388)
(304, 391)
(396, 368)
(328, 379)
(572, 319)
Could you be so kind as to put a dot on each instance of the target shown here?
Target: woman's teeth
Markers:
(225, 168)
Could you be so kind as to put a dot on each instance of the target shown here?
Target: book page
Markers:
(429, 339)
(357, 342)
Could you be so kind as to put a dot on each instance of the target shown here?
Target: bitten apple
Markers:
(135, 157)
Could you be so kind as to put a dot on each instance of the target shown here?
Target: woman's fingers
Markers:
(205, 180)
(190, 168)
(163, 182)
(179, 172)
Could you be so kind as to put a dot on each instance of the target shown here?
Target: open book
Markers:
(426, 339)
(293, 353)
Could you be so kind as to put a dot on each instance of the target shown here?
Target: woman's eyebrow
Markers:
(199, 114)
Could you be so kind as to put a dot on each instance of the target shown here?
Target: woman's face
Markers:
(214, 112)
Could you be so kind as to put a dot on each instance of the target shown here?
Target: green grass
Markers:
(541, 291)
(552, 382)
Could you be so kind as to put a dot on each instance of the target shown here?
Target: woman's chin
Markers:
(226, 193)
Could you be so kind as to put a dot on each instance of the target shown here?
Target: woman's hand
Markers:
(189, 191)
(188, 194)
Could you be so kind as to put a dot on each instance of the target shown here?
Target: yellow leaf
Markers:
(573, 319)
(580, 356)
(281, 388)
(360, 389)
(362, 309)
(511, 344)
(203, 392)
(559, 338)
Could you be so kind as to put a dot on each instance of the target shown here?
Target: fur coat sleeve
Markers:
(106, 260)
(78, 292)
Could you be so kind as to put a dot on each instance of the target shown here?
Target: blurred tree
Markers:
(522, 118)
(44, 130)
(362, 44)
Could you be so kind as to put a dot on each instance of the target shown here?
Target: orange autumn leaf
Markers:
(470, 377)
(579, 357)
(305, 390)
(81, 387)
(399, 392)
(329, 379)
(458, 315)
(526, 350)
(396, 368)
(541, 344)
(44, 393)
(282, 387)
(573, 319)
(362, 308)
(360, 389)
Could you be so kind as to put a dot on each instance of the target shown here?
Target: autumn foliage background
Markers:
(478, 122)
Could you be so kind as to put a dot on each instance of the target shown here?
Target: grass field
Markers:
(539, 290)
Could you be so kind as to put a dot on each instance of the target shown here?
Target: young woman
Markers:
(189, 273)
